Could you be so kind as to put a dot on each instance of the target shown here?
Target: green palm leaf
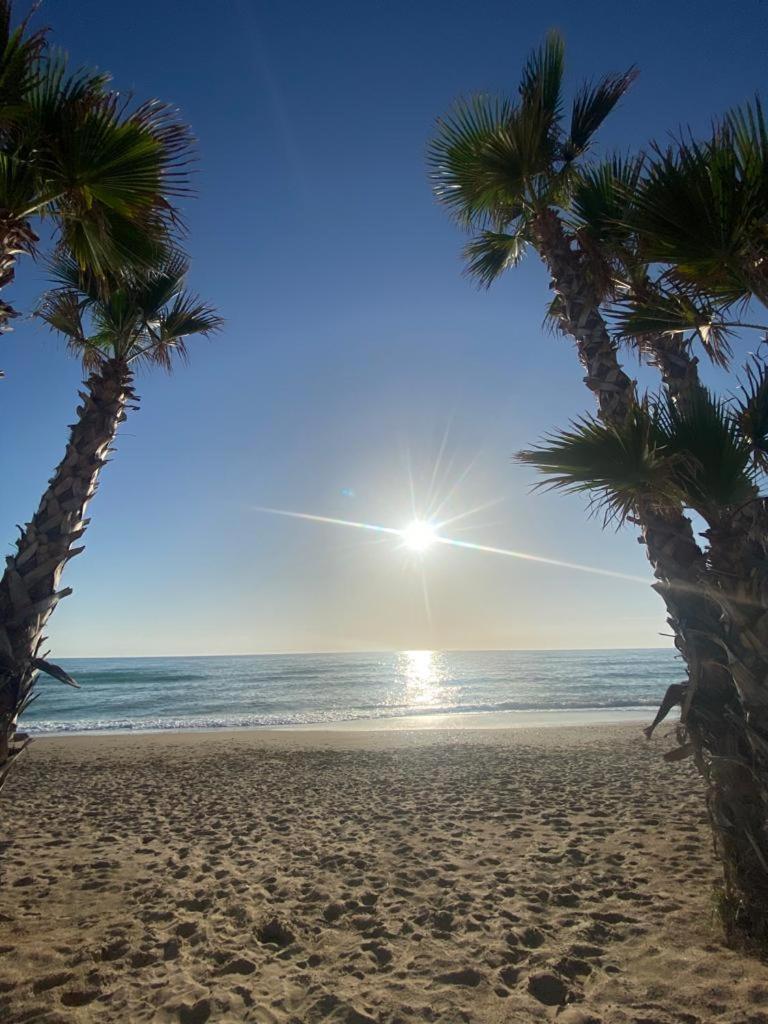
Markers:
(701, 212)
(457, 157)
(592, 105)
(751, 411)
(600, 199)
(618, 467)
(104, 173)
(494, 162)
(714, 465)
(697, 458)
(144, 318)
(656, 310)
(542, 77)
(747, 131)
(18, 183)
(20, 53)
(493, 252)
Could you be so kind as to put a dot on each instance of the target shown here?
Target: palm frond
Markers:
(714, 466)
(166, 337)
(696, 458)
(457, 157)
(187, 316)
(751, 411)
(618, 466)
(18, 184)
(142, 318)
(655, 311)
(62, 310)
(109, 245)
(555, 315)
(156, 289)
(600, 199)
(592, 105)
(21, 50)
(64, 271)
(105, 173)
(493, 252)
(701, 216)
(57, 93)
(747, 131)
(493, 161)
(542, 76)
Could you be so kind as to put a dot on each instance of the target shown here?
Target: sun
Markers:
(418, 536)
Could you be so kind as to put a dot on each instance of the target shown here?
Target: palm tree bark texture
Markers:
(29, 588)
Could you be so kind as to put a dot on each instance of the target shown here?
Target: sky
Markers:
(359, 375)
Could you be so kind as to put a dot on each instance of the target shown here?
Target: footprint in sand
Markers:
(196, 1013)
(468, 977)
(79, 997)
(548, 989)
(276, 933)
(51, 981)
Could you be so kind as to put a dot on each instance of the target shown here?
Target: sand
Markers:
(347, 878)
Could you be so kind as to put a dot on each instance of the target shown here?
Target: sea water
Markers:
(126, 694)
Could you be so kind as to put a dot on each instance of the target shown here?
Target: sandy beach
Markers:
(485, 875)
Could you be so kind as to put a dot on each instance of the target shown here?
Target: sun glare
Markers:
(419, 536)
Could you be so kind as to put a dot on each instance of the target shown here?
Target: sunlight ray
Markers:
(470, 512)
(452, 542)
(411, 482)
(431, 489)
(456, 484)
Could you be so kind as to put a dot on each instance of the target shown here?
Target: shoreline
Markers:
(460, 721)
(195, 742)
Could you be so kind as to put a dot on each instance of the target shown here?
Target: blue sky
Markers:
(353, 346)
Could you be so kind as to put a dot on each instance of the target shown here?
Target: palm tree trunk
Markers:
(679, 370)
(727, 715)
(667, 534)
(739, 757)
(712, 709)
(29, 588)
(578, 313)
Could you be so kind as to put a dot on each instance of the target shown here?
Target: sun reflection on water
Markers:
(423, 677)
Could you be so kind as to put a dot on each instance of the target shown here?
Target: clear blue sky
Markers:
(351, 338)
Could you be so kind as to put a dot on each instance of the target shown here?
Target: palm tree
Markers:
(697, 216)
(508, 171)
(514, 175)
(143, 320)
(708, 455)
(102, 172)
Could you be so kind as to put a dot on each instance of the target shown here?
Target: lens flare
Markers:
(419, 536)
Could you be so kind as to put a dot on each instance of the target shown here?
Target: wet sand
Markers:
(350, 877)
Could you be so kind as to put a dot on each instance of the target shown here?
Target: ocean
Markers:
(128, 694)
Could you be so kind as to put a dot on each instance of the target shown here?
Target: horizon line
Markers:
(393, 650)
